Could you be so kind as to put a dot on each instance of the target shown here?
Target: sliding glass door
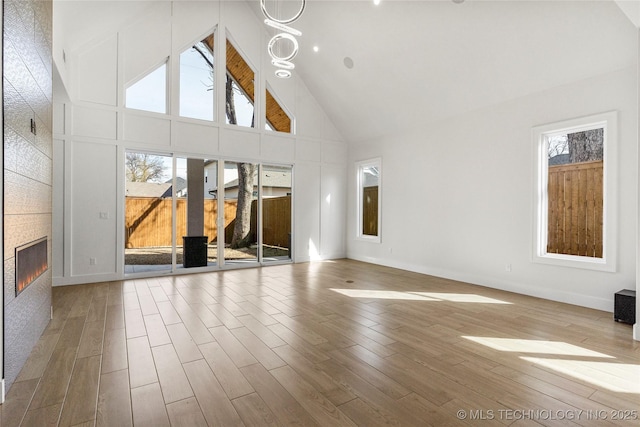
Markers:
(186, 212)
(196, 212)
(240, 210)
(148, 213)
(275, 182)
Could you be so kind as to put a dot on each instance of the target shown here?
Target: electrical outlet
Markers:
(104, 215)
(507, 267)
(93, 261)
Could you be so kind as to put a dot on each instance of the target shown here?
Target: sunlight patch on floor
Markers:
(617, 377)
(461, 297)
(536, 346)
(377, 294)
(417, 296)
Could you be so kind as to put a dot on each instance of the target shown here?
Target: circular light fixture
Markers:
(283, 63)
(263, 6)
(282, 27)
(283, 74)
(316, 49)
(275, 39)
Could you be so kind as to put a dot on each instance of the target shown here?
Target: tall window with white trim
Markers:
(369, 179)
(575, 192)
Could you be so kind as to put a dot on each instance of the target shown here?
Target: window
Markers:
(197, 80)
(148, 243)
(239, 90)
(369, 178)
(575, 192)
(276, 184)
(150, 92)
(277, 117)
(171, 213)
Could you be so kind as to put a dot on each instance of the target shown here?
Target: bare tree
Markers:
(142, 167)
(558, 146)
(246, 171)
(242, 228)
(586, 146)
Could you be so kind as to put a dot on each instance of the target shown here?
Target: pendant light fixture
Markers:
(287, 34)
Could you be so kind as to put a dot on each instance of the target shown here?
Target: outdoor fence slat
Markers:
(599, 213)
(591, 212)
(573, 226)
(582, 212)
(552, 218)
(562, 214)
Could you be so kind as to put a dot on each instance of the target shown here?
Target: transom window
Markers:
(240, 91)
(149, 93)
(197, 80)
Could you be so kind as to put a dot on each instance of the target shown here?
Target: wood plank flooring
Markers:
(337, 343)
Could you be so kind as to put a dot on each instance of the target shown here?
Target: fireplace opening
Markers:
(31, 262)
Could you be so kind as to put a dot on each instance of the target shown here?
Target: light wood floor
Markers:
(329, 344)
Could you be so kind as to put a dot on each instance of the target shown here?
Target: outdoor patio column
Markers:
(195, 197)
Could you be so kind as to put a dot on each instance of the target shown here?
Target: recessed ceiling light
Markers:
(458, 1)
(316, 48)
(348, 62)
(376, 2)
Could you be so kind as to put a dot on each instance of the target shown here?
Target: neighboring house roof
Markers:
(163, 189)
(560, 159)
(148, 189)
(269, 179)
(181, 184)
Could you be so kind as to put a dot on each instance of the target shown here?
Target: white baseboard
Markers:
(2, 391)
(84, 279)
(490, 282)
(636, 331)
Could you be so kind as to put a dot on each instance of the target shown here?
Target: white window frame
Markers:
(540, 137)
(360, 166)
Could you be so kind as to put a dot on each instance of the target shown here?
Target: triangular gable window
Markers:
(277, 117)
(197, 80)
(240, 90)
(150, 92)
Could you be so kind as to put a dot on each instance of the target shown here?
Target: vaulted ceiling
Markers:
(417, 62)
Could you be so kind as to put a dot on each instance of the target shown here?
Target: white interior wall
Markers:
(2, 236)
(636, 327)
(91, 219)
(457, 195)
(94, 132)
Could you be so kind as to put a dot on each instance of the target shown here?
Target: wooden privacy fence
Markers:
(148, 221)
(575, 196)
(276, 221)
(370, 211)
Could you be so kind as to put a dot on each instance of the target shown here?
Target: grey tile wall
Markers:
(27, 96)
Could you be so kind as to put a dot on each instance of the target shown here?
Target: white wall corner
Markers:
(636, 326)
(631, 8)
